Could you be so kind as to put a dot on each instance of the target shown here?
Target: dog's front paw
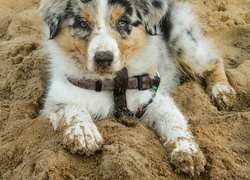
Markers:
(223, 96)
(82, 138)
(186, 157)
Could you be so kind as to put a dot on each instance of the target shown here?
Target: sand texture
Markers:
(30, 149)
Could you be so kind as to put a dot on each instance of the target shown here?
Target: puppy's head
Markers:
(102, 35)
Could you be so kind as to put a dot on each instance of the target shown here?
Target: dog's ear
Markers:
(151, 12)
(52, 12)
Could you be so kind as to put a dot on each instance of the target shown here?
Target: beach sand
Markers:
(31, 149)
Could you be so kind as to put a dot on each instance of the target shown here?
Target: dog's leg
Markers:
(223, 95)
(195, 56)
(165, 118)
(80, 133)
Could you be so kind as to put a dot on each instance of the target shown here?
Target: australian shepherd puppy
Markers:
(120, 57)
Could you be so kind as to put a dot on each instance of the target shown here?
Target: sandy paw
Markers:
(186, 157)
(223, 96)
(82, 139)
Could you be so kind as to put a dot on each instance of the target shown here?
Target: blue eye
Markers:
(122, 23)
(83, 24)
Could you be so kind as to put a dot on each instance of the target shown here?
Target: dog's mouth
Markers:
(103, 70)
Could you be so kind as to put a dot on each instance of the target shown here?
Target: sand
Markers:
(30, 149)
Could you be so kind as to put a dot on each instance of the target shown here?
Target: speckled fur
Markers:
(144, 36)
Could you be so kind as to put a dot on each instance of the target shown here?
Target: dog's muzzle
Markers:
(104, 58)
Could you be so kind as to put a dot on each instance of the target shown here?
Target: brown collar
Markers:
(119, 85)
(141, 82)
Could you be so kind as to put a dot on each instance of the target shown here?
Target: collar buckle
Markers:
(144, 82)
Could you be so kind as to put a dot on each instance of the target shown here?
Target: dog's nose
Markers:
(104, 58)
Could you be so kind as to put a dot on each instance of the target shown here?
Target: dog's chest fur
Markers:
(101, 104)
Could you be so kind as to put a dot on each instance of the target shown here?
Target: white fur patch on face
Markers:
(102, 9)
(103, 42)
